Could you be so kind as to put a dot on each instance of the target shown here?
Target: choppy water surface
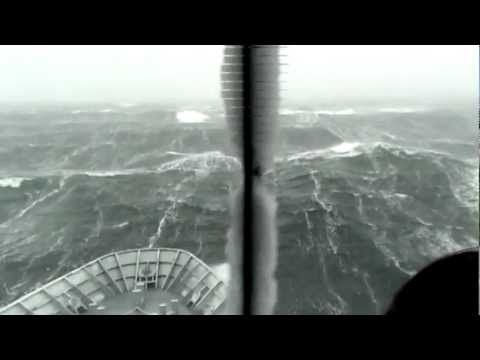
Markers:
(365, 199)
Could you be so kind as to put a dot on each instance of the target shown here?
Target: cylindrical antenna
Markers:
(250, 90)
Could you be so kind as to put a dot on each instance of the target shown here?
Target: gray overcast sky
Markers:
(184, 72)
(382, 72)
(109, 73)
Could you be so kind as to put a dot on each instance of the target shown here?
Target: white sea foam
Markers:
(40, 200)
(291, 112)
(13, 182)
(121, 226)
(104, 111)
(205, 162)
(177, 153)
(345, 147)
(113, 173)
(371, 293)
(348, 111)
(401, 110)
(352, 111)
(390, 136)
(169, 214)
(202, 163)
(336, 112)
(423, 222)
(191, 117)
(340, 150)
(222, 271)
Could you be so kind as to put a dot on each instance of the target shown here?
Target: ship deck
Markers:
(142, 303)
(130, 282)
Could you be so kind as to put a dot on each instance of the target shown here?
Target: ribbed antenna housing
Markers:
(250, 90)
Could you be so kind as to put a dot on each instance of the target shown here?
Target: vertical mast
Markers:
(250, 90)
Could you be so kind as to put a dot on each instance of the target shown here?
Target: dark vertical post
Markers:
(250, 93)
(248, 165)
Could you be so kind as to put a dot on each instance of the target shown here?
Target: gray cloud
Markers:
(191, 72)
(413, 73)
(109, 73)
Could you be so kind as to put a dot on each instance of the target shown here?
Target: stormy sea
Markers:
(366, 198)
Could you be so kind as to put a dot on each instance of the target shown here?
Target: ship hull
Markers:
(133, 282)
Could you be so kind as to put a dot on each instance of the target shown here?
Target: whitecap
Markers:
(336, 112)
(41, 199)
(340, 150)
(13, 182)
(401, 110)
(177, 153)
(345, 147)
(348, 111)
(204, 162)
(222, 271)
(120, 226)
(191, 117)
(423, 222)
(113, 173)
(290, 112)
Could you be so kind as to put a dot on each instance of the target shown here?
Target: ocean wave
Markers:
(336, 112)
(191, 117)
(204, 162)
(352, 111)
(341, 150)
(379, 208)
(12, 182)
(348, 111)
(350, 149)
(121, 225)
(126, 105)
(222, 271)
(177, 153)
(112, 173)
(291, 112)
(102, 111)
(402, 110)
(40, 200)
(207, 162)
